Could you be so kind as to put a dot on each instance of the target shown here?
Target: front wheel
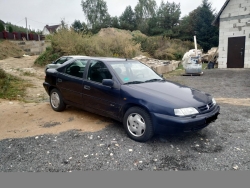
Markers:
(56, 101)
(138, 124)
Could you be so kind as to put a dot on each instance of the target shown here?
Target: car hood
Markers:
(172, 93)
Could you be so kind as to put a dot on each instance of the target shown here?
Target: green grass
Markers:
(11, 87)
(29, 74)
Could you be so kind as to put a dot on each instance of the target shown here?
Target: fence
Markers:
(20, 36)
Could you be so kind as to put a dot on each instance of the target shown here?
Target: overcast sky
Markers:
(51, 12)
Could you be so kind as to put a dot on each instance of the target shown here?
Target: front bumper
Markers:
(172, 124)
(46, 86)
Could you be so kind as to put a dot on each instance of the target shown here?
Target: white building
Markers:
(50, 29)
(234, 40)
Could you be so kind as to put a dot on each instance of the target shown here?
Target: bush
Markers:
(164, 48)
(69, 42)
(112, 42)
(2, 74)
(11, 87)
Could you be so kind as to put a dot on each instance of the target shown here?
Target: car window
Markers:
(76, 68)
(98, 71)
(61, 60)
(133, 71)
(68, 58)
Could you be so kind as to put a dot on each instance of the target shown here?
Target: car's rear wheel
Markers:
(138, 124)
(56, 101)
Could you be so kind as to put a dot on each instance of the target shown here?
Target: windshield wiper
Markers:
(154, 80)
(134, 82)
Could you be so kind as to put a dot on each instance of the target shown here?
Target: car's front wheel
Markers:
(56, 101)
(138, 124)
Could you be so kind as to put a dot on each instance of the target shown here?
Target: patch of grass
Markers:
(29, 74)
(8, 49)
(11, 87)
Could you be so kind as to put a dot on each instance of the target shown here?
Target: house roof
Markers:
(217, 19)
(52, 28)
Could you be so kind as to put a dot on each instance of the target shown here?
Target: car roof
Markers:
(105, 59)
(74, 56)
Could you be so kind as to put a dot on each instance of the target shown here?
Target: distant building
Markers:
(51, 29)
(234, 40)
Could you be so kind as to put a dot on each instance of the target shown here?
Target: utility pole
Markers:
(27, 29)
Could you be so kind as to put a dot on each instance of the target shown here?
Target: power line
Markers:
(18, 22)
(41, 22)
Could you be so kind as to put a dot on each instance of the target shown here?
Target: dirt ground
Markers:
(35, 116)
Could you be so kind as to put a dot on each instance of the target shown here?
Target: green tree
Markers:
(127, 19)
(10, 29)
(166, 21)
(144, 10)
(207, 35)
(198, 23)
(96, 13)
(1, 27)
(79, 27)
(115, 22)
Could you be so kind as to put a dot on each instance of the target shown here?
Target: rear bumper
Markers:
(165, 124)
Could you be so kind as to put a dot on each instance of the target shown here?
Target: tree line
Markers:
(164, 20)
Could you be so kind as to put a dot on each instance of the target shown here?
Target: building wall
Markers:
(45, 31)
(234, 22)
(33, 47)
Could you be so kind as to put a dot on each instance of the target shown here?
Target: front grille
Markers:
(206, 107)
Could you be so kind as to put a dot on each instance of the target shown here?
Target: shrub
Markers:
(69, 42)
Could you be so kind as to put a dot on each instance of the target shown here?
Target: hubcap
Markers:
(55, 100)
(136, 125)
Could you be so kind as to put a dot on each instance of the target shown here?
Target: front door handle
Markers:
(59, 80)
(86, 87)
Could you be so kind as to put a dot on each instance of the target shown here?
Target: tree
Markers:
(115, 22)
(198, 23)
(166, 20)
(144, 10)
(10, 29)
(79, 27)
(207, 35)
(96, 13)
(127, 19)
(1, 27)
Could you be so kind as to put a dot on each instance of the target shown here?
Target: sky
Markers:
(42, 12)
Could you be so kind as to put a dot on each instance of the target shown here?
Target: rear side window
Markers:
(76, 68)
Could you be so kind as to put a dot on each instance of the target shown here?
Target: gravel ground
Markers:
(222, 146)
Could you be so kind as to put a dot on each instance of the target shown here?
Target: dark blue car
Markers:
(132, 93)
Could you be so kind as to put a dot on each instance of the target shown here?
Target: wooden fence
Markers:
(20, 36)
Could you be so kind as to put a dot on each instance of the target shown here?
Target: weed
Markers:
(29, 74)
(11, 87)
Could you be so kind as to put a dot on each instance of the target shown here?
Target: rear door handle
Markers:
(59, 80)
(86, 87)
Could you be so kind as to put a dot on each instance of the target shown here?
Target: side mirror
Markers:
(108, 82)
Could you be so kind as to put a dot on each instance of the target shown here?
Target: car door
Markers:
(70, 81)
(98, 97)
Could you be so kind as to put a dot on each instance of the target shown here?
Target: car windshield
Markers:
(134, 72)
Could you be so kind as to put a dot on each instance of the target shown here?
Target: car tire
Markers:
(138, 125)
(56, 101)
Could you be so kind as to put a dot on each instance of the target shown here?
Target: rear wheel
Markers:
(138, 125)
(56, 101)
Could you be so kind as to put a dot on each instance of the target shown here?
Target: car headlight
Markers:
(213, 100)
(185, 111)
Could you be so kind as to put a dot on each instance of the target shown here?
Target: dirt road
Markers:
(35, 116)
